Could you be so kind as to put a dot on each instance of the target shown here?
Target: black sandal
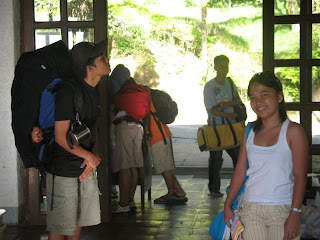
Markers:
(163, 199)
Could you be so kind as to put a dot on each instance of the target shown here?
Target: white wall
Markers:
(11, 168)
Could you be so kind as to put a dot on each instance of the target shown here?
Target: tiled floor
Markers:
(171, 222)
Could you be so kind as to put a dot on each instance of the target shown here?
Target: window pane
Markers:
(316, 41)
(315, 170)
(316, 84)
(294, 116)
(287, 41)
(290, 79)
(315, 6)
(287, 7)
(47, 11)
(80, 10)
(45, 37)
(315, 127)
(80, 35)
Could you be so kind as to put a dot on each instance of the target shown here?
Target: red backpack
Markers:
(134, 99)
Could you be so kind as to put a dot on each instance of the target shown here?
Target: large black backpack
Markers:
(166, 108)
(34, 73)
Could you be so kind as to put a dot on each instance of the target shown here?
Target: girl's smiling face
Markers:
(264, 100)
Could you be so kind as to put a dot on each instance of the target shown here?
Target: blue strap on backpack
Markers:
(218, 229)
(46, 119)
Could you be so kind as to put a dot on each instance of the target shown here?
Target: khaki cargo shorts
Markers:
(127, 152)
(162, 156)
(75, 204)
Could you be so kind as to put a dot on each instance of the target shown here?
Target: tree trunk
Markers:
(204, 55)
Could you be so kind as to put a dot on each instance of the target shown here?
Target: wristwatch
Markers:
(298, 210)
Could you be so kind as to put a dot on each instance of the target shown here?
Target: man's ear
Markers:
(280, 97)
(89, 68)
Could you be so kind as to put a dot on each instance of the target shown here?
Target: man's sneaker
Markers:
(118, 209)
(132, 205)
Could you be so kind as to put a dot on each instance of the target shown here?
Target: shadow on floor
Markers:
(156, 222)
(171, 222)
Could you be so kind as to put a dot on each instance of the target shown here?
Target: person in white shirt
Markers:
(277, 152)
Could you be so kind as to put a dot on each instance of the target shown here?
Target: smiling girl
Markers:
(277, 151)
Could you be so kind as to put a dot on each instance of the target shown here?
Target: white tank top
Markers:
(270, 171)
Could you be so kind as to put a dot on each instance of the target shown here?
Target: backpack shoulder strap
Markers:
(231, 84)
(248, 129)
(78, 94)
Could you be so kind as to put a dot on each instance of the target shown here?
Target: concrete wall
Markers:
(11, 168)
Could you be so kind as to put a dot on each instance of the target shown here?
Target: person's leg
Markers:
(55, 236)
(124, 186)
(234, 153)
(215, 164)
(76, 236)
(89, 212)
(173, 184)
(170, 181)
(253, 219)
(134, 182)
(62, 208)
(175, 192)
(277, 215)
(179, 190)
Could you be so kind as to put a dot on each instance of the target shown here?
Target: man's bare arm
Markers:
(91, 161)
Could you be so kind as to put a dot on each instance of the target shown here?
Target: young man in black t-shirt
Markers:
(72, 188)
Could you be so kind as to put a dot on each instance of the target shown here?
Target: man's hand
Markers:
(90, 162)
(224, 105)
(231, 116)
(36, 135)
(291, 226)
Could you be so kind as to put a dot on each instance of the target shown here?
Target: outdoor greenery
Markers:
(232, 27)
(196, 30)
(131, 36)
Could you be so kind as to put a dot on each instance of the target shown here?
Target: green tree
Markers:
(50, 7)
(286, 7)
(81, 9)
(203, 5)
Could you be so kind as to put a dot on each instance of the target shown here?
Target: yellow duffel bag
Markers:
(220, 137)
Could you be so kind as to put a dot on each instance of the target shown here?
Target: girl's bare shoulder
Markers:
(295, 130)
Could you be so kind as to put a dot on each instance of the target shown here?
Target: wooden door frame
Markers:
(305, 106)
(28, 25)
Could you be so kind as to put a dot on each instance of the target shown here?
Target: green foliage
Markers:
(241, 3)
(50, 7)
(131, 42)
(195, 45)
(176, 31)
(226, 3)
(241, 21)
(190, 3)
(223, 35)
(287, 42)
(290, 78)
(285, 7)
(145, 73)
(141, 9)
(125, 39)
(158, 19)
(81, 9)
(316, 41)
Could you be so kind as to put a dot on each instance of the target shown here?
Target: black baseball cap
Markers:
(83, 51)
